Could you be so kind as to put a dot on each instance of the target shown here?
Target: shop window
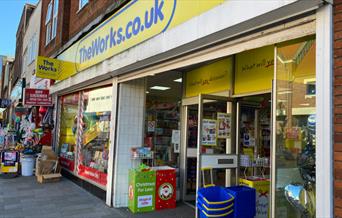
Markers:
(295, 129)
(95, 122)
(163, 118)
(68, 130)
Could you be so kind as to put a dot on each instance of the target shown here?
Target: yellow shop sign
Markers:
(254, 70)
(211, 78)
(136, 22)
(50, 68)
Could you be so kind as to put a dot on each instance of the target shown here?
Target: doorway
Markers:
(246, 131)
(200, 121)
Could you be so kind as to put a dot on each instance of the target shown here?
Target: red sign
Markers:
(93, 174)
(37, 97)
(67, 164)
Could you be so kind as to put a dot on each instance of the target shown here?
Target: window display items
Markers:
(67, 140)
(209, 132)
(224, 125)
(94, 150)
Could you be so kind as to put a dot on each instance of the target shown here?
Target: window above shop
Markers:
(51, 23)
(82, 3)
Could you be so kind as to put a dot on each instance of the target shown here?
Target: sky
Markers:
(10, 13)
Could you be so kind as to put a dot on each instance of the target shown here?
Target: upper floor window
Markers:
(48, 23)
(54, 19)
(32, 49)
(51, 21)
(82, 3)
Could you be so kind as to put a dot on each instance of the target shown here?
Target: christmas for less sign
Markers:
(37, 97)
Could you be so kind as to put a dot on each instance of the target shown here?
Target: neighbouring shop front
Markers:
(245, 108)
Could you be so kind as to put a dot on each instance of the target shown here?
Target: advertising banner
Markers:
(254, 70)
(209, 132)
(223, 125)
(50, 68)
(211, 78)
(93, 174)
(37, 97)
(136, 22)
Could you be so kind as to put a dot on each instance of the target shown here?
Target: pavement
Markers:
(23, 197)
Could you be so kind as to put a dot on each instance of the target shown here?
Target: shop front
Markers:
(245, 107)
(83, 139)
(219, 114)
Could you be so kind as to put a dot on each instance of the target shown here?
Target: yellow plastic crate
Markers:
(262, 188)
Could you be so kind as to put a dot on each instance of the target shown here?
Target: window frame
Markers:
(82, 4)
(54, 19)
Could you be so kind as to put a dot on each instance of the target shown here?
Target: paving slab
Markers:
(23, 197)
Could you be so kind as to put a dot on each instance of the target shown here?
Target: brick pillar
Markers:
(337, 90)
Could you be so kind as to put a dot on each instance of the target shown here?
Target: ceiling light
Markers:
(147, 92)
(305, 104)
(162, 88)
(284, 92)
(179, 80)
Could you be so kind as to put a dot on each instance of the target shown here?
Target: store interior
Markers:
(164, 94)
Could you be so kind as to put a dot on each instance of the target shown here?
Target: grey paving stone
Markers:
(23, 197)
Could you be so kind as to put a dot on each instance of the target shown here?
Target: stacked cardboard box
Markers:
(47, 167)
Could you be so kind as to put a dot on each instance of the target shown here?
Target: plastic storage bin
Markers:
(203, 213)
(215, 197)
(262, 187)
(27, 166)
(244, 202)
(215, 202)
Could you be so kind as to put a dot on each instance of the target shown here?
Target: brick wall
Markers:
(54, 44)
(73, 22)
(338, 108)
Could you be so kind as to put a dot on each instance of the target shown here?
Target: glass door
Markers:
(294, 152)
(207, 118)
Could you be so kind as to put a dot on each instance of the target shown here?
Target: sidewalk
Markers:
(23, 197)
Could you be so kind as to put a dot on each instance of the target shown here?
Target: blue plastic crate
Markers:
(215, 211)
(244, 203)
(215, 197)
(222, 214)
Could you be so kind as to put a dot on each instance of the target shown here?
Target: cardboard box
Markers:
(47, 166)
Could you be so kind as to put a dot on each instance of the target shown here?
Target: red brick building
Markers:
(67, 20)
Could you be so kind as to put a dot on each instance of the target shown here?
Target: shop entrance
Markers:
(209, 118)
(229, 129)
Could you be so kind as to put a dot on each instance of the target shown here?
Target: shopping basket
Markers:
(214, 201)
(244, 201)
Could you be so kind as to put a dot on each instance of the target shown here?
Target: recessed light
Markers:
(284, 92)
(147, 92)
(162, 88)
(179, 80)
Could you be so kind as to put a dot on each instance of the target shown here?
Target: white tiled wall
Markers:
(130, 130)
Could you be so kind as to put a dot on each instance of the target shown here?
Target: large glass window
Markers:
(95, 122)
(295, 130)
(68, 130)
(162, 124)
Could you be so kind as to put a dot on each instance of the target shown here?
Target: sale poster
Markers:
(209, 132)
(223, 125)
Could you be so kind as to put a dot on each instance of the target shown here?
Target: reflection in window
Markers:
(95, 135)
(295, 130)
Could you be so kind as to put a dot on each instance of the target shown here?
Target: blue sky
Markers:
(10, 13)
